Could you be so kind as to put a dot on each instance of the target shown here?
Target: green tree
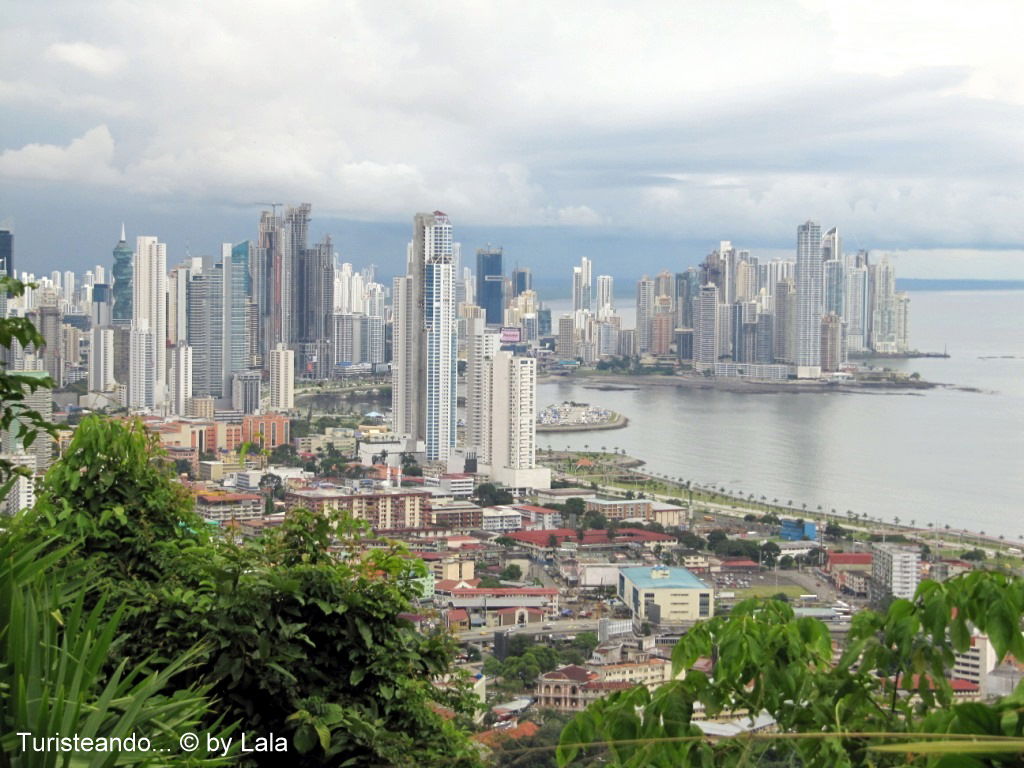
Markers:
(586, 642)
(716, 537)
(875, 705)
(295, 639)
(512, 572)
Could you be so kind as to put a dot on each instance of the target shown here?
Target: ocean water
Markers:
(943, 456)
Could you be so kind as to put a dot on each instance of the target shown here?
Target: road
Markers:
(560, 627)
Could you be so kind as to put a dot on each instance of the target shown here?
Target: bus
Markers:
(808, 598)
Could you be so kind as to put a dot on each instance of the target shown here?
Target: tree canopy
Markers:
(881, 702)
(292, 638)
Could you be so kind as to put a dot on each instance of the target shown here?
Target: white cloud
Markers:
(897, 121)
(86, 160)
(88, 57)
(579, 216)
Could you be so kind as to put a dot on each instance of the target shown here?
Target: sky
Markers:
(638, 134)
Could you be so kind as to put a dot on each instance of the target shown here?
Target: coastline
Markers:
(743, 386)
(618, 422)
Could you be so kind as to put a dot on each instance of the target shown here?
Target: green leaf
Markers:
(1005, 746)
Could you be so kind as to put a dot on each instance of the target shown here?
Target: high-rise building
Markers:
(425, 341)
(206, 331)
(784, 342)
(442, 342)
(101, 359)
(705, 332)
(149, 304)
(490, 283)
(809, 300)
(896, 569)
(833, 343)
(835, 287)
(832, 246)
(282, 378)
(266, 261)
(644, 313)
(605, 296)
(142, 366)
(122, 273)
(6, 252)
(288, 312)
(582, 285)
(39, 400)
(180, 378)
(482, 345)
(565, 342)
(22, 493)
(522, 280)
(246, 389)
(237, 286)
(855, 308)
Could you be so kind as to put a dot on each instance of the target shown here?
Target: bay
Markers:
(943, 456)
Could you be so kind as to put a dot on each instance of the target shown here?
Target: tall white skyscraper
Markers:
(482, 344)
(605, 296)
(425, 340)
(282, 378)
(644, 313)
(142, 366)
(101, 359)
(809, 300)
(582, 285)
(855, 308)
(501, 407)
(705, 332)
(180, 378)
(441, 338)
(149, 306)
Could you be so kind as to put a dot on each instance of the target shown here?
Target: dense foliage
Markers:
(295, 633)
(889, 682)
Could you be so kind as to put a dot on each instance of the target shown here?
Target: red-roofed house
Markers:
(457, 619)
(540, 541)
(849, 571)
(572, 688)
(222, 506)
(495, 736)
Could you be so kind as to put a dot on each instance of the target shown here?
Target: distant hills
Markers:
(925, 284)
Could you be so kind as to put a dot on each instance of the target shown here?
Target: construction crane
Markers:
(273, 207)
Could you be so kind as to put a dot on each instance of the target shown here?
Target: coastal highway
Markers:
(560, 627)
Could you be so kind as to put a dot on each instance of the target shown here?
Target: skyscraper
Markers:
(705, 332)
(180, 378)
(206, 332)
(644, 313)
(237, 286)
(142, 366)
(605, 295)
(442, 341)
(6, 252)
(122, 273)
(425, 340)
(522, 280)
(149, 304)
(809, 300)
(490, 284)
(582, 285)
(832, 343)
(835, 287)
(282, 378)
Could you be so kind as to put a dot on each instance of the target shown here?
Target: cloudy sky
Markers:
(638, 133)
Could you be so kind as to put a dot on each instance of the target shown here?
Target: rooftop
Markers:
(649, 578)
